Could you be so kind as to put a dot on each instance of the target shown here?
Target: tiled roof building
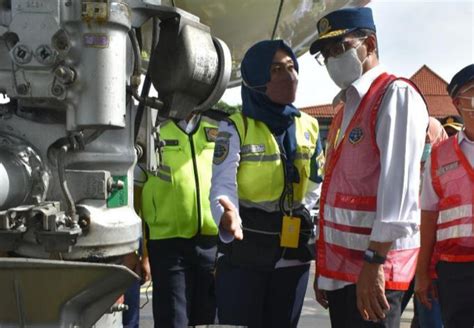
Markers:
(433, 87)
(320, 111)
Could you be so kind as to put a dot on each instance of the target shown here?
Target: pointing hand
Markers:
(230, 220)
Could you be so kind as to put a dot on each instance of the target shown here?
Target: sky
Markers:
(410, 33)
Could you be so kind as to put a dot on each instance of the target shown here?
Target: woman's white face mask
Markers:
(345, 68)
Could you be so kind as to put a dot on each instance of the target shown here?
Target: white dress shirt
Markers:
(400, 135)
(189, 126)
(224, 185)
(429, 198)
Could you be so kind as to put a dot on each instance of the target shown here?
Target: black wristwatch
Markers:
(371, 256)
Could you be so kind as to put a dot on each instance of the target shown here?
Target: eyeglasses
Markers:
(336, 49)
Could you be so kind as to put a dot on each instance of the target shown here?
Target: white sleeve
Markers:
(429, 198)
(224, 173)
(400, 134)
(312, 195)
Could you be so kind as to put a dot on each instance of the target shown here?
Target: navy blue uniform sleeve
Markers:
(317, 163)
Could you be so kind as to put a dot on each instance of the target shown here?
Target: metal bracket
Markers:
(56, 235)
(12, 229)
(59, 240)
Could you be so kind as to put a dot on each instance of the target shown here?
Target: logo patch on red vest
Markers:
(356, 135)
(448, 167)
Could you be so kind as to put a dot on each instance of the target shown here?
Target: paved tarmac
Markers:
(313, 315)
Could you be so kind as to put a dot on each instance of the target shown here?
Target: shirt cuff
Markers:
(384, 232)
(225, 236)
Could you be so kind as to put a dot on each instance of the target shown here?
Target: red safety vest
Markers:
(349, 199)
(453, 181)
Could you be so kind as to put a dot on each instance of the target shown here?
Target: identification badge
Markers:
(290, 232)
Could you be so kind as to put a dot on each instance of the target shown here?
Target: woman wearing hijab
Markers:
(265, 179)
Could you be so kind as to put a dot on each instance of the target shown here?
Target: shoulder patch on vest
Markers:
(448, 167)
(356, 135)
(211, 134)
(307, 135)
(221, 149)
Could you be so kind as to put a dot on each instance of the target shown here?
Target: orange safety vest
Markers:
(349, 199)
(453, 181)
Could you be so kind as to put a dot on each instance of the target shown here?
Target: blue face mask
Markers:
(426, 152)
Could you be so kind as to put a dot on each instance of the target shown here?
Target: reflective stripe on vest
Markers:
(260, 176)
(456, 231)
(453, 181)
(348, 200)
(360, 242)
(172, 204)
(455, 213)
(260, 158)
(363, 219)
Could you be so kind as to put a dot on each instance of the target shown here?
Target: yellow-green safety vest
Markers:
(175, 202)
(261, 176)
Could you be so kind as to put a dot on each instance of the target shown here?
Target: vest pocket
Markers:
(259, 181)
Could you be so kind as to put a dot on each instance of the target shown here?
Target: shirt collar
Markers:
(360, 86)
(462, 137)
(188, 127)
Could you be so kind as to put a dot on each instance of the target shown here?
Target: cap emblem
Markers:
(324, 26)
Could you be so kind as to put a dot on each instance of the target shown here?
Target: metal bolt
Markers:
(60, 40)
(114, 185)
(21, 54)
(45, 55)
(65, 74)
(119, 185)
(57, 90)
(61, 44)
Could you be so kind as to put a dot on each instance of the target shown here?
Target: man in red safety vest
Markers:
(369, 214)
(447, 218)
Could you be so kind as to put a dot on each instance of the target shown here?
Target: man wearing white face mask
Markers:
(447, 217)
(369, 213)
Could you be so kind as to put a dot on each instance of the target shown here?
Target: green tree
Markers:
(226, 108)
